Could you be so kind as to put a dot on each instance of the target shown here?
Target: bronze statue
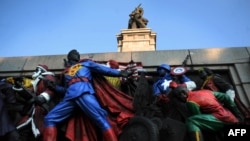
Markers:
(136, 18)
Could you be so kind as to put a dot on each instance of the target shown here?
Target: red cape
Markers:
(118, 104)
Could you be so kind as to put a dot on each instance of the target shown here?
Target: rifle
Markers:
(184, 63)
(138, 6)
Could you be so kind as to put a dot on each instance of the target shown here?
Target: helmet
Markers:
(73, 55)
(164, 66)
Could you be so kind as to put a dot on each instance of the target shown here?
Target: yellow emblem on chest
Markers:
(73, 70)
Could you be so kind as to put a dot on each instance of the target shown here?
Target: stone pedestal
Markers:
(141, 39)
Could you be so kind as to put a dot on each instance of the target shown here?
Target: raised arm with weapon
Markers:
(136, 18)
(135, 10)
(184, 63)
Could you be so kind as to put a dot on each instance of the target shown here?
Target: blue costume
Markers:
(80, 93)
(162, 84)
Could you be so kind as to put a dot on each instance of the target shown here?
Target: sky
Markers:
(54, 27)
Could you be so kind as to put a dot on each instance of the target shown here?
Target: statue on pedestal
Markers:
(136, 18)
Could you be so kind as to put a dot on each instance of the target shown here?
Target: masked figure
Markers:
(82, 95)
(216, 82)
(161, 85)
(208, 111)
(38, 103)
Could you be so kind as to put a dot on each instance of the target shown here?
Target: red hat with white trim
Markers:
(43, 67)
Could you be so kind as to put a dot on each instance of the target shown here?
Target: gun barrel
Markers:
(184, 63)
(139, 5)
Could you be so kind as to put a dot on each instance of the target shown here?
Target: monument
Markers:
(137, 37)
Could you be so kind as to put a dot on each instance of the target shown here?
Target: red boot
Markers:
(50, 134)
(109, 135)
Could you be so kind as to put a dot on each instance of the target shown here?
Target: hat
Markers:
(164, 66)
(113, 64)
(43, 67)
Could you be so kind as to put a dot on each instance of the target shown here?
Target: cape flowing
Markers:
(118, 105)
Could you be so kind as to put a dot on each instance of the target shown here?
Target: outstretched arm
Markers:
(227, 101)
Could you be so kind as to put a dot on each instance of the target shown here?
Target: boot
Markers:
(196, 136)
(109, 135)
(50, 134)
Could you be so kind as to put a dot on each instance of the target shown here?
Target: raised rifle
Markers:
(138, 6)
(136, 9)
(184, 63)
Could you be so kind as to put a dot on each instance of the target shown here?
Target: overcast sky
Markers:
(53, 27)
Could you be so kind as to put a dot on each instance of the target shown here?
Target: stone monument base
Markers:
(140, 39)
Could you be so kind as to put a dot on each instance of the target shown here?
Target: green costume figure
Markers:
(216, 82)
(207, 111)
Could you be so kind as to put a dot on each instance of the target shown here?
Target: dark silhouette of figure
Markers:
(8, 131)
(215, 82)
(136, 19)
